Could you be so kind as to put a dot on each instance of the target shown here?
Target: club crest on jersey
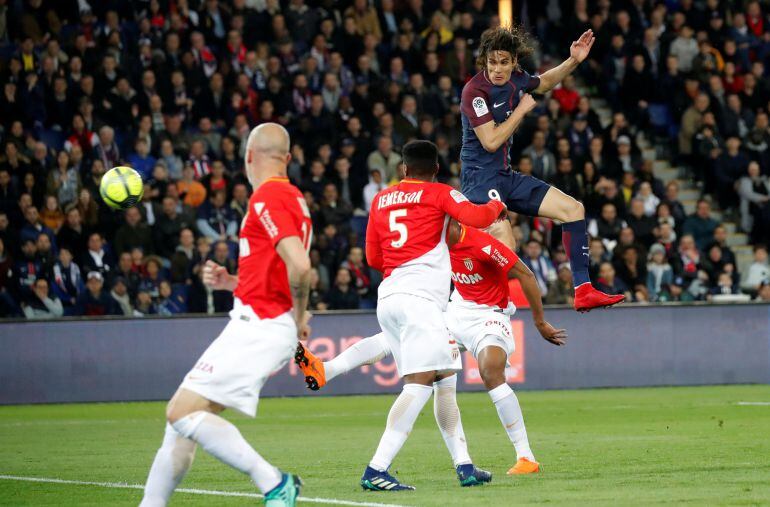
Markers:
(480, 106)
(468, 264)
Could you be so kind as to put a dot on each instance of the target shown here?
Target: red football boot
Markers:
(587, 298)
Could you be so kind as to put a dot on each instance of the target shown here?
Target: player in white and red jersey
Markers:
(478, 317)
(406, 240)
(268, 315)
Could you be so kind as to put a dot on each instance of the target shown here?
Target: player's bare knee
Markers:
(425, 378)
(492, 376)
(574, 210)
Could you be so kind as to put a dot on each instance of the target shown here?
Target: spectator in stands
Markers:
(607, 283)
(133, 234)
(343, 295)
(672, 200)
(171, 160)
(52, 216)
(566, 180)
(539, 264)
(384, 159)
(144, 305)
(724, 286)
(316, 300)
(362, 280)
(632, 270)
(72, 235)
(216, 220)
(728, 168)
(561, 291)
(660, 275)
(167, 228)
(67, 280)
(106, 148)
(700, 224)
(641, 223)
(758, 270)
(676, 292)
(40, 304)
(334, 210)
(650, 200)
(375, 185)
(168, 303)
(64, 180)
(152, 276)
(121, 297)
(34, 227)
(754, 192)
(128, 272)
(141, 160)
(192, 192)
(94, 301)
(97, 258)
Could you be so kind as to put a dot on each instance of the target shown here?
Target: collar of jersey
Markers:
(277, 179)
(409, 180)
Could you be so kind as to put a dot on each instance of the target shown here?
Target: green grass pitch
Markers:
(697, 446)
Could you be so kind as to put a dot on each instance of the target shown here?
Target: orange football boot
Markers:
(587, 298)
(311, 366)
(524, 466)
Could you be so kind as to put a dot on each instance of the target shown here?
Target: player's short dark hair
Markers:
(420, 158)
(512, 39)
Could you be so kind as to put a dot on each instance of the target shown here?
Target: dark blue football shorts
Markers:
(521, 193)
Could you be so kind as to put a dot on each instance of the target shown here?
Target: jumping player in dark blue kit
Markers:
(494, 103)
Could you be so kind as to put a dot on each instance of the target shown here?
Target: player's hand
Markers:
(526, 103)
(303, 328)
(215, 276)
(580, 48)
(551, 334)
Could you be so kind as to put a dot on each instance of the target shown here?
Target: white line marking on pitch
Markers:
(192, 491)
(754, 403)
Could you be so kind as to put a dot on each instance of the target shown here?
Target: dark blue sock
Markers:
(575, 240)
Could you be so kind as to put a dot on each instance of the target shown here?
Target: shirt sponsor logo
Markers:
(258, 206)
(496, 255)
(268, 224)
(464, 279)
(393, 198)
(480, 106)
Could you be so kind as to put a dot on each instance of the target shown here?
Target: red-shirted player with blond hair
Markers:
(269, 315)
(406, 240)
(479, 318)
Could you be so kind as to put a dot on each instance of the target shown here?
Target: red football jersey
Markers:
(277, 210)
(406, 235)
(480, 265)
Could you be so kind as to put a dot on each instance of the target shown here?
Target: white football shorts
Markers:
(477, 328)
(239, 361)
(416, 334)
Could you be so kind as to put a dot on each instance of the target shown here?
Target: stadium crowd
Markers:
(173, 87)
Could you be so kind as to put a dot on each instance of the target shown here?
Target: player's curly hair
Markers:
(513, 39)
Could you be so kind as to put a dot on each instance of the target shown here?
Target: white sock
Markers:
(509, 411)
(222, 440)
(448, 418)
(366, 351)
(172, 461)
(401, 419)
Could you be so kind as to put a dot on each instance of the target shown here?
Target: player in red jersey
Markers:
(493, 106)
(478, 317)
(268, 315)
(406, 240)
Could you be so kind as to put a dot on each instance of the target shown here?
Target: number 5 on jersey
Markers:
(400, 228)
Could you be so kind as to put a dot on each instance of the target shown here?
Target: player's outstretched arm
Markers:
(522, 273)
(217, 277)
(457, 206)
(297, 261)
(578, 52)
(492, 136)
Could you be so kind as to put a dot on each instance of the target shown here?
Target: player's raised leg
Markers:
(317, 373)
(450, 424)
(492, 361)
(560, 206)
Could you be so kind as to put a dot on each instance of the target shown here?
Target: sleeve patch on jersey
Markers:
(457, 196)
(480, 106)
